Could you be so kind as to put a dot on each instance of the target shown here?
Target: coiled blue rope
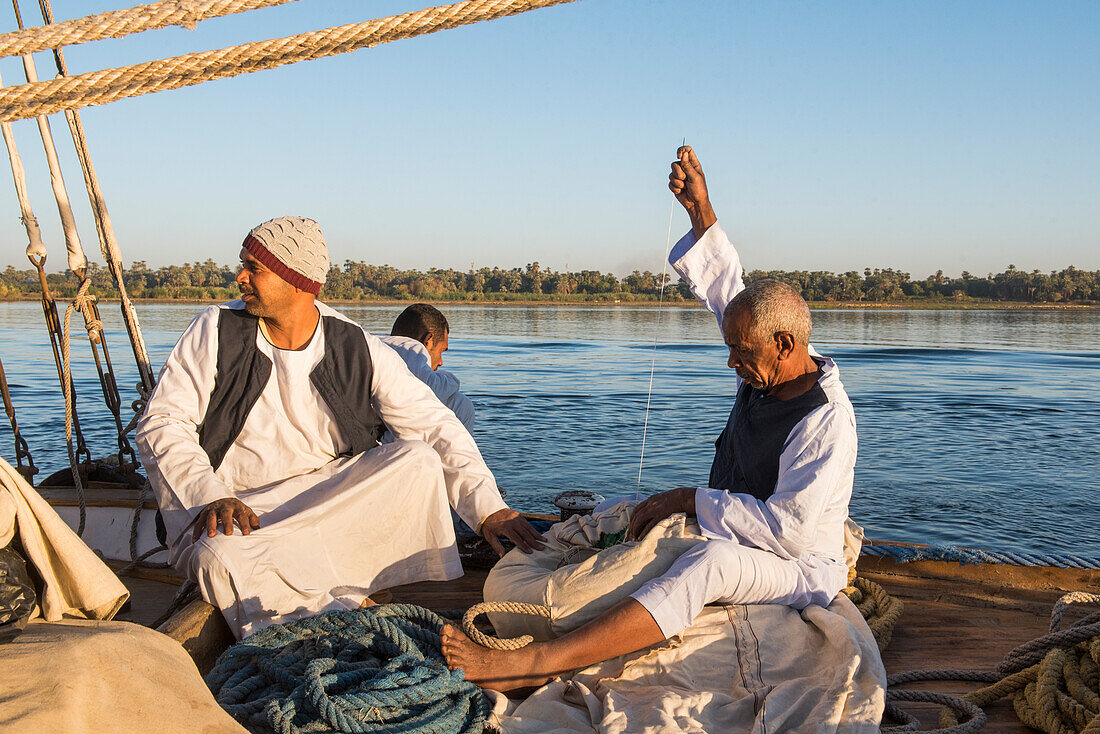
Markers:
(905, 554)
(372, 670)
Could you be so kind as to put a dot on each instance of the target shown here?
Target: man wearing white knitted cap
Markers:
(267, 416)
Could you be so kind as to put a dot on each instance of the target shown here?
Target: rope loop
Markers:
(497, 643)
(974, 718)
(879, 609)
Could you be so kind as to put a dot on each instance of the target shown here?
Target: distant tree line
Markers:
(358, 281)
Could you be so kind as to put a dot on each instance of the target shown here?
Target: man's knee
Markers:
(205, 556)
(723, 561)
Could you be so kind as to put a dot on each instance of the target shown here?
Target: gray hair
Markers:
(773, 306)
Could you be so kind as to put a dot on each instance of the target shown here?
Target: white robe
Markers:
(788, 549)
(332, 530)
(444, 384)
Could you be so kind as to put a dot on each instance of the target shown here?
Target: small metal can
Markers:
(577, 502)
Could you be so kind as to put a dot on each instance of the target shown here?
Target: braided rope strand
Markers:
(119, 23)
(496, 643)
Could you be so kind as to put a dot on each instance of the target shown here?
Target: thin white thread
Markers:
(656, 333)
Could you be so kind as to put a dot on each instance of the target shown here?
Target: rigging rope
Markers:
(109, 85)
(119, 23)
(22, 451)
(70, 404)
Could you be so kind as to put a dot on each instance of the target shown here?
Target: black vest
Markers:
(746, 456)
(343, 378)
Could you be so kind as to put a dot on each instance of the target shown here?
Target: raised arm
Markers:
(704, 257)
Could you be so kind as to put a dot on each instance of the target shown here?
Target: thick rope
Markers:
(1054, 681)
(908, 554)
(70, 399)
(109, 85)
(119, 23)
(379, 669)
(497, 643)
(879, 609)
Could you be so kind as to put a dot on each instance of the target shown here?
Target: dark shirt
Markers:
(746, 456)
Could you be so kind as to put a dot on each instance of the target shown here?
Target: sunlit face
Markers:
(756, 363)
(436, 349)
(264, 293)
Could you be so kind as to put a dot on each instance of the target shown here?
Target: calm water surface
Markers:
(977, 428)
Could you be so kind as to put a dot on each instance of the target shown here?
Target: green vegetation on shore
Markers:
(358, 281)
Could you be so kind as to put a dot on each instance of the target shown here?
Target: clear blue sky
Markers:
(835, 135)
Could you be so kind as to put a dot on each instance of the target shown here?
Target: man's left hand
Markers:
(656, 508)
(511, 525)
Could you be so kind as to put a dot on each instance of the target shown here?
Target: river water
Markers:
(976, 428)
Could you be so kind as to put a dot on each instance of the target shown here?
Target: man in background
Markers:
(420, 336)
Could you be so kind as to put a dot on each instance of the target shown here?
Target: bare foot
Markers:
(500, 670)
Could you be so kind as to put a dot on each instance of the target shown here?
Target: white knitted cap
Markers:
(294, 249)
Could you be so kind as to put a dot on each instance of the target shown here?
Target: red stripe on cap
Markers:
(277, 266)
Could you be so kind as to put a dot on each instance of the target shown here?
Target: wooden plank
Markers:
(994, 575)
(111, 495)
(163, 575)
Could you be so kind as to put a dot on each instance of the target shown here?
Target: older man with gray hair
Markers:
(775, 505)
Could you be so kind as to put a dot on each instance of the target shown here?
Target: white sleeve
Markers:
(462, 406)
(813, 471)
(167, 434)
(412, 412)
(416, 358)
(443, 383)
(711, 267)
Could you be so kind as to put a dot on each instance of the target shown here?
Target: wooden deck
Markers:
(955, 616)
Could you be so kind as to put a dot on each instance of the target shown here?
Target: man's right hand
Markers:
(689, 186)
(224, 512)
(653, 509)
